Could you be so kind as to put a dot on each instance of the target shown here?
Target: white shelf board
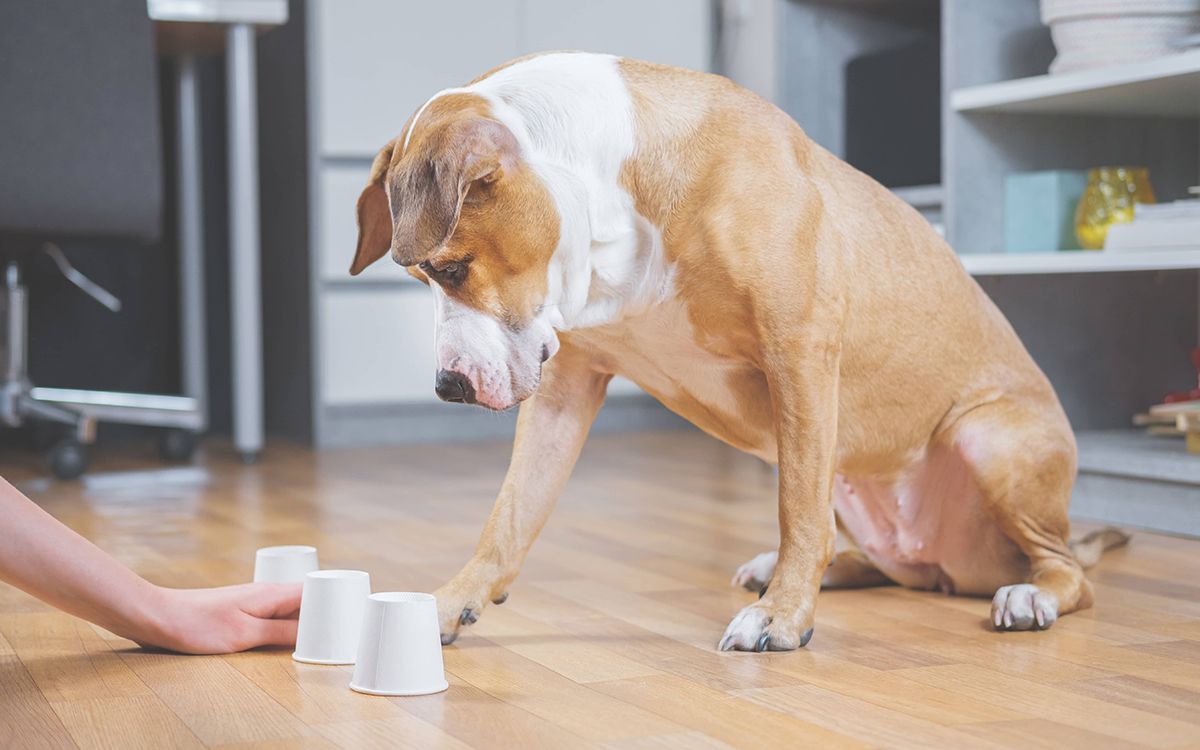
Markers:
(1079, 261)
(1167, 86)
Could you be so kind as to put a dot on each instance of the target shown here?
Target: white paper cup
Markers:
(331, 613)
(287, 564)
(400, 650)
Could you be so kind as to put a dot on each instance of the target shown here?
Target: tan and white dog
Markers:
(578, 216)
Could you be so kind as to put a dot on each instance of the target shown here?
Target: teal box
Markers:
(1039, 210)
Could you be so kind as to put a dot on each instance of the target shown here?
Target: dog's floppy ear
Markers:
(429, 190)
(374, 215)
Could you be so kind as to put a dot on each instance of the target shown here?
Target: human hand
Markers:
(223, 620)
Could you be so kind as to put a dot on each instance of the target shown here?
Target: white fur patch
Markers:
(572, 114)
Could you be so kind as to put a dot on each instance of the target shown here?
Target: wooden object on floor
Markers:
(608, 637)
(1189, 424)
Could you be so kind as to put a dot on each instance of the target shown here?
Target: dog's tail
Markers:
(1088, 548)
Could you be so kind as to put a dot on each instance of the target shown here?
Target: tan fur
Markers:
(851, 333)
(851, 296)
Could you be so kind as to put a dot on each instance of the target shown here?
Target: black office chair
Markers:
(80, 155)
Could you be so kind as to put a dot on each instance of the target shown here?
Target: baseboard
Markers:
(397, 424)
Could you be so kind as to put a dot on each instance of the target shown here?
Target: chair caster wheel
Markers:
(68, 459)
(177, 444)
(249, 458)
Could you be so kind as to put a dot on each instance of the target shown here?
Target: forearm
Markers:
(50, 561)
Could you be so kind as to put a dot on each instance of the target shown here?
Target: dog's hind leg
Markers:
(551, 430)
(1022, 454)
(756, 573)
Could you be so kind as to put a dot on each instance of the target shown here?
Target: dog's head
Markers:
(456, 204)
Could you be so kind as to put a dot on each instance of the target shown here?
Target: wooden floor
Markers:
(608, 637)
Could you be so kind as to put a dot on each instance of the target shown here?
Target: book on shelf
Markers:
(1163, 226)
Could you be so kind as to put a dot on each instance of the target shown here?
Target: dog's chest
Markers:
(659, 350)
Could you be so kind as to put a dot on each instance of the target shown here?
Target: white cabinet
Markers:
(674, 32)
(338, 188)
(377, 346)
(371, 64)
(377, 61)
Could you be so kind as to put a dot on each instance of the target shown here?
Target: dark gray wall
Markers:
(1111, 343)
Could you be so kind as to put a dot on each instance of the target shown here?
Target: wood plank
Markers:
(125, 723)
(1082, 712)
(219, 704)
(735, 721)
(26, 718)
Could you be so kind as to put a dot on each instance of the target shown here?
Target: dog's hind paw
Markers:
(755, 574)
(1023, 606)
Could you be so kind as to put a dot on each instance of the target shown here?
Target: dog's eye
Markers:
(451, 273)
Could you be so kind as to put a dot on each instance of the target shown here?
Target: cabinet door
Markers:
(339, 185)
(375, 62)
(675, 32)
(377, 345)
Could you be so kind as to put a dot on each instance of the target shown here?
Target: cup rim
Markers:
(397, 597)
(284, 550)
(337, 574)
(437, 687)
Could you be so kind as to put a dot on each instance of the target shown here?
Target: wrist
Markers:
(153, 617)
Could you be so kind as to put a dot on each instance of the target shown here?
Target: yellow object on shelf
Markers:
(1109, 199)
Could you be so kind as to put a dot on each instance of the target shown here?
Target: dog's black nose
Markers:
(454, 386)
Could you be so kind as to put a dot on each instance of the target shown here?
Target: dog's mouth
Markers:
(497, 387)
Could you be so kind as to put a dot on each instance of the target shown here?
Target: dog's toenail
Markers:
(468, 617)
(448, 638)
(763, 642)
(804, 639)
(501, 599)
(762, 592)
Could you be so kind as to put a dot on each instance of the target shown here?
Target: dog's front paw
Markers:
(460, 605)
(766, 626)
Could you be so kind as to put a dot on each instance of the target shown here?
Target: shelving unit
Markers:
(1111, 329)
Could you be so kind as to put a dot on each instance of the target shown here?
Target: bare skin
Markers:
(46, 559)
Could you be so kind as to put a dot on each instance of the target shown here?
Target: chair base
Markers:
(80, 409)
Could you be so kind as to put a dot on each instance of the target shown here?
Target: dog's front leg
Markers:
(804, 388)
(551, 429)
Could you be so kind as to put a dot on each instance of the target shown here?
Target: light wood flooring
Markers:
(607, 638)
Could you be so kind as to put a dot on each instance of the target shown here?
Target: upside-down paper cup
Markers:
(400, 650)
(331, 613)
(287, 564)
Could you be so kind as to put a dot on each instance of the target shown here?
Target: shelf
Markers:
(1134, 454)
(1166, 86)
(1078, 261)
